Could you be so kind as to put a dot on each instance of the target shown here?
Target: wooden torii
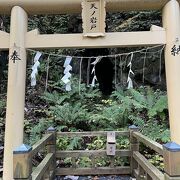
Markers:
(19, 40)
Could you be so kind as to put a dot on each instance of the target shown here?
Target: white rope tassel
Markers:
(93, 83)
(129, 80)
(67, 75)
(35, 68)
(68, 67)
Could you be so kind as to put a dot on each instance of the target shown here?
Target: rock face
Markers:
(149, 68)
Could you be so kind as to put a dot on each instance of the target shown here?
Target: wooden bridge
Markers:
(139, 167)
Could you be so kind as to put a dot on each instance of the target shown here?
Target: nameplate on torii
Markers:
(93, 17)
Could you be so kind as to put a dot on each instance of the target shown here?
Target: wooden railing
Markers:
(148, 142)
(139, 167)
(23, 159)
(92, 155)
(142, 168)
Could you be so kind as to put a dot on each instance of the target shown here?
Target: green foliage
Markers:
(55, 98)
(73, 111)
(68, 114)
(84, 162)
(49, 24)
(153, 129)
(62, 143)
(66, 143)
(83, 95)
(143, 107)
(109, 118)
(74, 144)
(88, 111)
(155, 159)
(2, 119)
(97, 144)
(157, 132)
(122, 143)
(38, 130)
(159, 107)
(2, 106)
(148, 110)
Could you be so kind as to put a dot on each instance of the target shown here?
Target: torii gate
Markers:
(19, 40)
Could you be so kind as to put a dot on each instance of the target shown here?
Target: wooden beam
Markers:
(42, 167)
(41, 143)
(117, 39)
(148, 142)
(90, 134)
(94, 171)
(74, 6)
(90, 153)
(148, 167)
(4, 42)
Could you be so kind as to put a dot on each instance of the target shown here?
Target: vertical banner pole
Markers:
(16, 88)
(171, 22)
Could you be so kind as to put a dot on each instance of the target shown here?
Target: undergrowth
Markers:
(88, 110)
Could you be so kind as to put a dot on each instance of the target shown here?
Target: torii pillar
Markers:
(16, 89)
(171, 22)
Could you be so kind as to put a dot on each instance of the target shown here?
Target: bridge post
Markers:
(51, 148)
(16, 88)
(134, 146)
(172, 161)
(22, 162)
(171, 22)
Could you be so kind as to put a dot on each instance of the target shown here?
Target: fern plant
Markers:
(38, 130)
(55, 97)
(153, 102)
(110, 117)
(143, 107)
(69, 115)
(158, 107)
(65, 143)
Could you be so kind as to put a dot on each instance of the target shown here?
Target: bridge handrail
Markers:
(92, 155)
(140, 167)
(23, 159)
(149, 169)
(90, 134)
(42, 168)
(41, 143)
(148, 142)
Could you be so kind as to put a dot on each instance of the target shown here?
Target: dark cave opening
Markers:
(104, 69)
